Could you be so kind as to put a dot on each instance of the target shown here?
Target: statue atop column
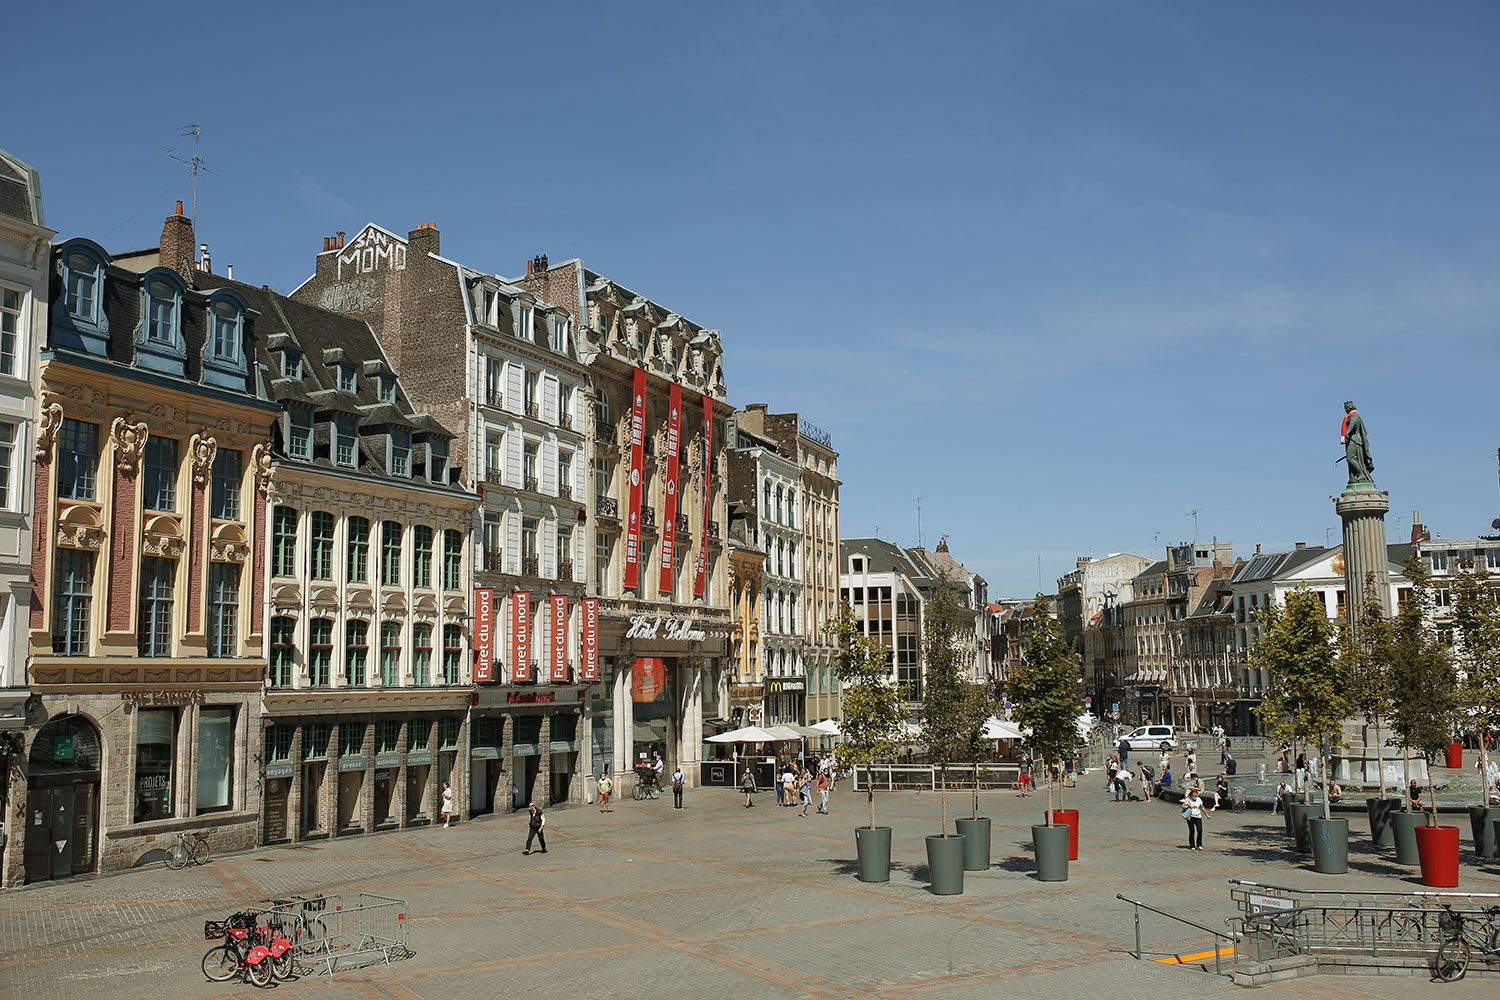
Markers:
(1356, 447)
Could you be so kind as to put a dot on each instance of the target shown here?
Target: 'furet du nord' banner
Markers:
(520, 635)
(559, 639)
(708, 468)
(637, 461)
(484, 635)
(590, 639)
(669, 526)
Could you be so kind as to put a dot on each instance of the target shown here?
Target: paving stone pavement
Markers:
(713, 901)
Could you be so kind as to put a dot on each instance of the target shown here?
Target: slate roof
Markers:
(884, 557)
(325, 338)
(20, 190)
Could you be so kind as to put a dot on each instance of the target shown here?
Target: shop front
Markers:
(786, 701)
(525, 746)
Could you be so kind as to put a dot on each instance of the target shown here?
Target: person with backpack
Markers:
(535, 823)
(747, 785)
(677, 782)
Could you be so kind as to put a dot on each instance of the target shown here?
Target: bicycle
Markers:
(1460, 936)
(238, 955)
(185, 852)
(646, 786)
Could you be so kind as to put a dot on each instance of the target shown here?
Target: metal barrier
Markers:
(1253, 897)
(1218, 952)
(924, 777)
(338, 937)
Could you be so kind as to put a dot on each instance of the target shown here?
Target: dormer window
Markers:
(387, 389)
(299, 420)
(348, 381)
(82, 277)
(561, 327)
(159, 343)
(523, 322)
(291, 364)
(224, 355)
(487, 306)
(345, 440)
(400, 452)
(437, 461)
(78, 317)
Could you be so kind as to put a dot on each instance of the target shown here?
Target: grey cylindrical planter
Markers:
(1301, 813)
(1495, 828)
(1484, 833)
(1404, 827)
(874, 847)
(1330, 844)
(1286, 815)
(1379, 811)
(945, 864)
(1051, 843)
(976, 834)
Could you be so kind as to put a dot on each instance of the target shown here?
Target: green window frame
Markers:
(388, 736)
(356, 652)
(453, 652)
(278, 744)
(284, 541)
(421, 556)
(390, 553)
(421, 654)
(351, 739)
(420, 733)
(315, 741)
(283, 651)
(447, 734)
(453, 556)
(320, 651)
(359, 550)
(390, 654)
(320, 546)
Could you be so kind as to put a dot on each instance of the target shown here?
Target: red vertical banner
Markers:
(669, 508)
(700, 582)
(484, 635)
(520, 635)
(637, 462)
(559, 639)
(590, 615)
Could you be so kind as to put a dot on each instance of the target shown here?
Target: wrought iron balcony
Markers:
(530, 566)
(533, 410)
(565, 570)
(648, 517)
(607, 507)
(713, 529)
(495, 398)
(565, 421)
(494, 476)
(604, 431)
(565, 492)
(530, 484)
(494, 560)
(682, 523)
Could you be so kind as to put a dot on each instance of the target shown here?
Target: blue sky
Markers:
(1065, 271)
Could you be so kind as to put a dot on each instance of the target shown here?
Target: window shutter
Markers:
(549, 399)
(513, 543)
(514, 376)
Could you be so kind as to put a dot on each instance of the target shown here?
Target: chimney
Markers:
(326, 241)
(1257, 548)
(529, 265)
(423, 239)
(1301, 546)
(1419, 531)
(176, 250)
(205, 264)
(229, 272)
(341, 240)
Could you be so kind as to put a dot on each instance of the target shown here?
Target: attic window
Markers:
(437, 461)
(348, 382)
(523, 322)
(291, 364)
(857, 564)
(400, 452)
(387, 389)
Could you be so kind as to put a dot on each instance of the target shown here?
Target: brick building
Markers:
(150, 538)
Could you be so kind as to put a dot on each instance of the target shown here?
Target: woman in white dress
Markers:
(447, 805)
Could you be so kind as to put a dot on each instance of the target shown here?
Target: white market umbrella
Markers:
(751, 734)
(999, 729)
(828, 727)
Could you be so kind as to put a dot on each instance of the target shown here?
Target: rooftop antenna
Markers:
(195, 162)
(1194, 515)
(919, 522)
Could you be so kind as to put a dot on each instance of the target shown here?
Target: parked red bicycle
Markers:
(241, 954)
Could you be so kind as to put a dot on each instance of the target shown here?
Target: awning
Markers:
(755, 734)
(650, 732)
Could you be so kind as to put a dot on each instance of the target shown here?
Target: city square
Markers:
(716, 901)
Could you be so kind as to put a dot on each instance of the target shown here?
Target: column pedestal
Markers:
(1363, 509)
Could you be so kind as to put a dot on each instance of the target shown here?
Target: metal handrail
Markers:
(1229, 936)
(1242, 889)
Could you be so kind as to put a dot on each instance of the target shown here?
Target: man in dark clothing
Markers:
(1231, 766)
(1124, 751)
(536, 822)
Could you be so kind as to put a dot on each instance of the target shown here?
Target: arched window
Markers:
(159, 344)
(81, 323)
(225, 352)
(780, 519)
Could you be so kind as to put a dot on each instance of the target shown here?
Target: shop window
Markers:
(284, 541)
(359, 550)
(72, 599)
(421, 556)
(320, 545)
(315, 741)
(488, 732)
(447, 734)
(154, 621)
(77, 459)
(388, 736)
(565, 727)
(320, 651)
(421, 654)
(223, 609)
(215, 758)
(390, 553)
(421, 733)
(155, 752)
(453, 651)
(528, 729)
(226, 485)
(453, 555)
(351, 739)
(283, 651)
(356, 652)
(278, 744)
(390, 654)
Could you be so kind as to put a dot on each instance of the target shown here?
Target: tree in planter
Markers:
(1309, 683)
(1424, 684)
(944, 719)
(1476, 613)
(1046, 690)
(1367, 649)
(874, 710)
(979, 704)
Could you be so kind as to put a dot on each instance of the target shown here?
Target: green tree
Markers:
(944, 720)
(1424, 683)
(1046, 690)
(874, 708)
(1367, 650)
(1308, 689)
(979, 704)
(1476, 613)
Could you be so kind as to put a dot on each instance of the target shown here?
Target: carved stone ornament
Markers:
(260, 462)
(228, 544)
(49, 419)
(130, 443)
(201, 450)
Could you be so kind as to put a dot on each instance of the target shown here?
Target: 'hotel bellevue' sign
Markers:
(662, 627)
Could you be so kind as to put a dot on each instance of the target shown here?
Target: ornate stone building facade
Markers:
(147, 556)
(747, 688)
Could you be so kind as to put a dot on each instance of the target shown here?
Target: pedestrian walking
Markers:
(447, 804)
(677, 782)
(1124, 749)
(747, 785)
(1192, 811)
(788, 787)
(1166, 758)
(1147, 776)
(536, 822)
(1223, 748)
(804, 789)
(825, 783)
(1111, 768)
(606, 785)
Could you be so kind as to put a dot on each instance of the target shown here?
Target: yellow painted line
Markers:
(1197, 956)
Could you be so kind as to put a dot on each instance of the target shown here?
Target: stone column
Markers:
(624, 726)
(544, 765)
(1363, 509)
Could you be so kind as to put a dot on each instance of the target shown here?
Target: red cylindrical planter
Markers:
(1455, 755)
(1069, 819)
(1437, 850)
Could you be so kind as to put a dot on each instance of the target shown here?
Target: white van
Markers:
(1151, 737)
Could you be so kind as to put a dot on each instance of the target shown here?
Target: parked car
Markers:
(1152, 737)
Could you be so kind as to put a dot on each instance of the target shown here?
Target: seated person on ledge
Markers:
(1335, 793)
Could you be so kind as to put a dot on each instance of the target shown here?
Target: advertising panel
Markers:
(520, 635)
(484, 635)
(559, 639)
(669, 507)
(637, 470)
(590, 639)
(700, 582)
